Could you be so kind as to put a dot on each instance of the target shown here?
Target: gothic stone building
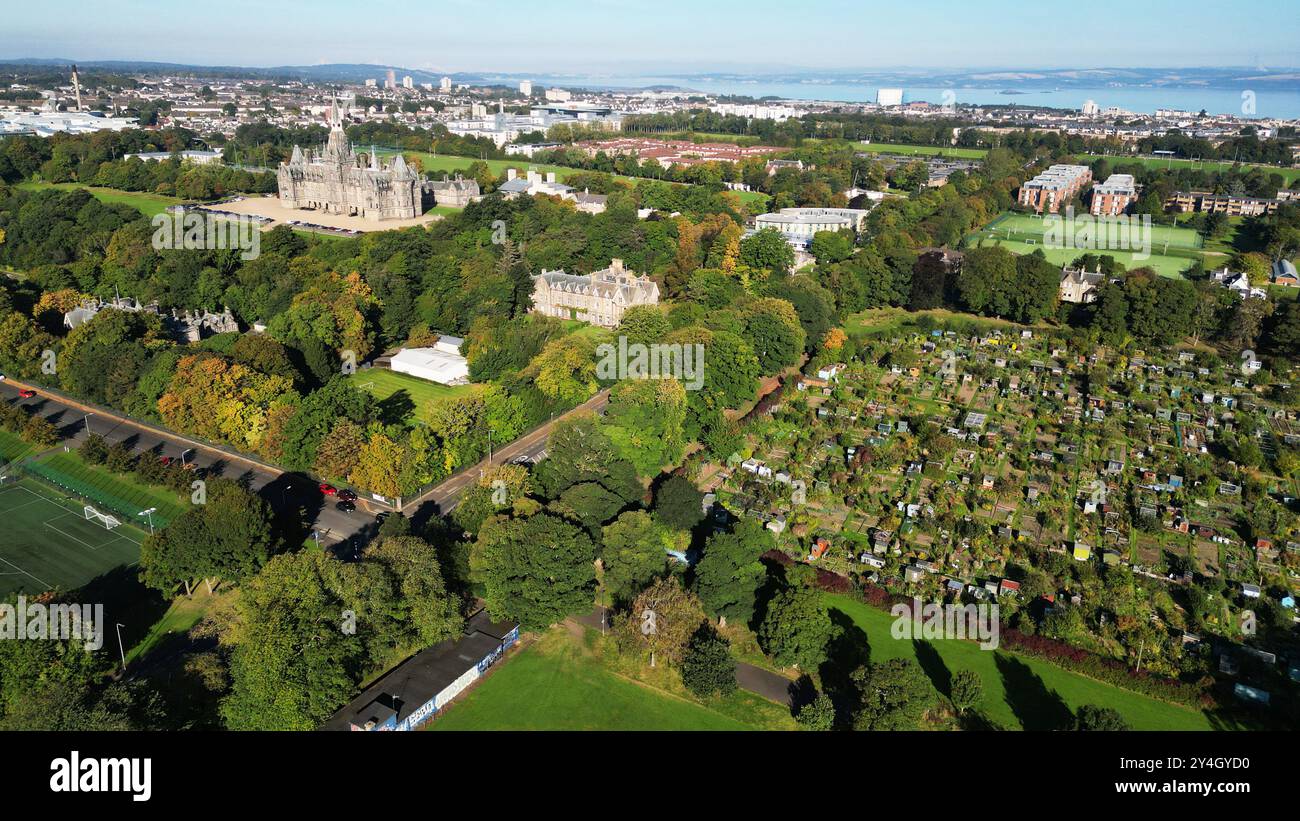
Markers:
(599, 298)
(332, 180)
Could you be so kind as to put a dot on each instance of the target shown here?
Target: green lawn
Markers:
(147, 204)
(1165, 266)
(49, 544)
(923, 150)
(1019, 691)
(1034, 227)
(556, 684)
(12, 447)
(1289, 175)
(406, 396)
(123, 493)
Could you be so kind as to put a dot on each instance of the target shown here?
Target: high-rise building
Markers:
(526, 88)
(391, 82)
(445, 85)
(408, 82)
(889, 96)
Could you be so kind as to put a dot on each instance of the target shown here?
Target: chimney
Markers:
(550, 177)
(616, 265)
(510, 174)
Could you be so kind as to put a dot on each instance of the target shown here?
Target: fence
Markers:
(80, 488)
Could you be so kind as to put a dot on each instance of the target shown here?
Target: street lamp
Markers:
(148, 513)
(120, 649)
(187, 450)
(86, 420)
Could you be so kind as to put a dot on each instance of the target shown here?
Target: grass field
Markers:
(1173, 248)
(120, 492)
(924, 150)
(558, 684)
(147, 204)
(49, 543)
(1019, 691)
(1033, 227)
(404, 395)
(12, 447)
(1290, 175)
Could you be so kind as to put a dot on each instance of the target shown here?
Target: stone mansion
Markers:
(599, 298)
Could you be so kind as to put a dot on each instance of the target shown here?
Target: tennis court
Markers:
(48, 542)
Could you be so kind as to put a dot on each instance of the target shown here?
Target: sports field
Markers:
(923, 150)
(1019, 691)
(557, 684)
(49, 543)
(386, 384)
(1173, 248)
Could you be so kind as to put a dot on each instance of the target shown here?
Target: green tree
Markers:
(536, 570)
(1105, 719)
(707, 666)
(893, 695)
(796, 628)
(729, 574)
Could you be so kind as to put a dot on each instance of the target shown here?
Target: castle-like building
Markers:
(187, 326)
(599, 298)
(334, 181)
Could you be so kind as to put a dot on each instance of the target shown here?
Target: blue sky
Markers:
(635, 36)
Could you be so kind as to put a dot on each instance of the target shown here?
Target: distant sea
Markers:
(1269, 102)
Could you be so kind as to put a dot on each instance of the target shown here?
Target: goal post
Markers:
(92, 515)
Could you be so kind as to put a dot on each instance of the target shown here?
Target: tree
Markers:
(729, 574)
(773, 331)
(678, 503)
(796, 628)
(768, 250)
(635, 551)
(536, 570)
(565, 370)
(707, 666)
(818, 714)
(645, 419)
(967, 691)
(1092, 717)
(229, 537)
(892, 695)
(663, 618)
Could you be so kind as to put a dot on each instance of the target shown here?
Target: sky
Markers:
(639, 37)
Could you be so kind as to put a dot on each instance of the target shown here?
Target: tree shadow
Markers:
(396, 408)
(1037, 707)
(933, 665)
(849, 650)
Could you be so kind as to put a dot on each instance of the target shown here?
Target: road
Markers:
(284, 491)
(531, 445)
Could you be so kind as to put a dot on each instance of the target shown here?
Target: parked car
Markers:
(166, 460)
(328, 489)
(346, 506)
(26, 393)
(347, 496)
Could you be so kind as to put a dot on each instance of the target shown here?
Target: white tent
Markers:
(432, 364)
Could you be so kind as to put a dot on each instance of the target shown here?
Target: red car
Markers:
(26, 393)
(328, 490)
(347, 496)
(166, 460)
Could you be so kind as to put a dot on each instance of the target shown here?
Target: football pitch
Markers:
(48, 542)
(1029, 228)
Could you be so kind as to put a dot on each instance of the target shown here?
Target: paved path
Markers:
(760, 682)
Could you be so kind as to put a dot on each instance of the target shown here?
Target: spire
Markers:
(374, 158)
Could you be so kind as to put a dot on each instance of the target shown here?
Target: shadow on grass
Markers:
(933, 665)
(1036, 706)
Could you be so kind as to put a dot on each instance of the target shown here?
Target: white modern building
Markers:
(442, 363)
(805, 222)
(526, 88)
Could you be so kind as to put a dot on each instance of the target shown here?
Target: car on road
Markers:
(382, 516)
(328, 489)
(26, 393)
(522, 460)
(347, 496)
(346, 506)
